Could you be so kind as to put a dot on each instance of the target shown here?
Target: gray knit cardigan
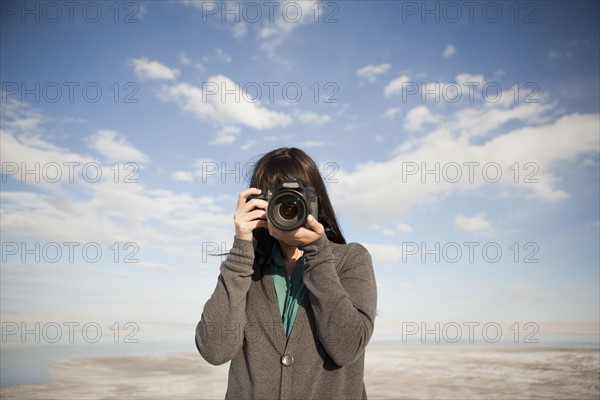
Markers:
(325, 353)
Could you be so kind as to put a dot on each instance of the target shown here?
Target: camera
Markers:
(289, 204)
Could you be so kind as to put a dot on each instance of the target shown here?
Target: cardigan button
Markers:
(287, 360)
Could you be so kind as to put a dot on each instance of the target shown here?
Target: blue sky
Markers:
(361, 115)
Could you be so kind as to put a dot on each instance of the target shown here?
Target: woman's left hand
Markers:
(303, 235)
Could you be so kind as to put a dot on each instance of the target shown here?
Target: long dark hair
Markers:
(292, 163)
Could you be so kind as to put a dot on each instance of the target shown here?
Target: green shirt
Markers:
(289, 291)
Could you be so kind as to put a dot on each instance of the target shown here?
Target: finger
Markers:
(256, 214)
(259, 223)
(244, 194)
(314, 225)
(254, 204)
(241, 216)
(259, 204)
(250, 206)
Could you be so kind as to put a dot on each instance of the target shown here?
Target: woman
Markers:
(292, 310)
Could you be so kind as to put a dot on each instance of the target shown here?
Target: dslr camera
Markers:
(289, 204)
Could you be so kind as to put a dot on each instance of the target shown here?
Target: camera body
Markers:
(289, 204)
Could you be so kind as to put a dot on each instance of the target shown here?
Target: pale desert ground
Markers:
(448, 372)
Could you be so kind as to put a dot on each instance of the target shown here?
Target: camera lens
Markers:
(288, 210)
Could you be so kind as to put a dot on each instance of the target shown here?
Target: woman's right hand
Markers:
(249, 215)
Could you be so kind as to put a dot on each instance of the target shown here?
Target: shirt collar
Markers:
(275, 256)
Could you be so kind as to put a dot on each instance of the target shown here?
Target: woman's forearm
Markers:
(220, 332)
(344, 306)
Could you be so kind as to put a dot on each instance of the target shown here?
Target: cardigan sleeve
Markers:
(220, 332)
(344, 304)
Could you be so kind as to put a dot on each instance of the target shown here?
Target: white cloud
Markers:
(22, 151)
(274, 34)
(27, 124)
(205, 169)
(200, 67)
(184, 59)
(227, 135)
(274, 27)
(404, 228)
(474, 122)
(146, 69)
(417, 117)
(105, 211)
(311, 118)
(183, 176)
(477, 223)
(369, 192)
(499, 73)
(248, 145)
(449, 51)
(113, 213)
(472, 79)
(109, 211)
(115, 147)
(19, 117)
(391, 112)
(395, 85)
(240, 30)
(311, 143)
(220, 55)
(384, 253)
(225, 110)
(371, 72)
(555, 54)
(387, 230)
